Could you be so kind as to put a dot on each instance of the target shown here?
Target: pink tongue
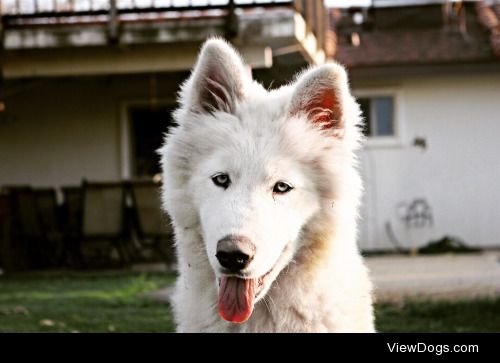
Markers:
(236, 298)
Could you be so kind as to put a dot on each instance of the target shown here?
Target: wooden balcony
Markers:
(78, 37)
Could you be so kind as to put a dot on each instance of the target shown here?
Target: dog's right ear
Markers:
(217, 81)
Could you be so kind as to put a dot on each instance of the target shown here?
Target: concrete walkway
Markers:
(428, 276)
(436, 276)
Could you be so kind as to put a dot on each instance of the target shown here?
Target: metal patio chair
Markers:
(103, 222)
(72, 223)
(49, 217)
(28, 229)
(153, 228)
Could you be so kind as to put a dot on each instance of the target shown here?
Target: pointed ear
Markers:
(218, 79)
(319, 95)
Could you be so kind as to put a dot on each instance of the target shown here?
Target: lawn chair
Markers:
(153, 228)
(103, 222)
(7, 258)
(72, 222)
(49, 216)
(28, 230)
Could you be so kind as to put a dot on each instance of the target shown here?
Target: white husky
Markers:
(263, 192)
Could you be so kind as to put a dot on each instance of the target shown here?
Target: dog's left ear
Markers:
(319, 95)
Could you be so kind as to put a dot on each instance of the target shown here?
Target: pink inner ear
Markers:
(329, 100)
(324, 110)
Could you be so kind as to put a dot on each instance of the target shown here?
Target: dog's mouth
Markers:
(237, 296)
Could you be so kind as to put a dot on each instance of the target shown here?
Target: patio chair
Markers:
(72, 221)
(49, 216)
(7, 259)
(103, 222)
(28, 230)
(153, 228)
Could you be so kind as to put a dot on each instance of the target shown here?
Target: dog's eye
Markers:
(281, 187)
(221, 180)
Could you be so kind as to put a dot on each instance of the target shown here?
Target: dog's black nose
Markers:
(235, 252)
(233, 261)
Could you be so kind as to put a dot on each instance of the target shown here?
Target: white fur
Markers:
(307, 236)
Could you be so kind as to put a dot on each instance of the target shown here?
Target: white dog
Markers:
(263, 193)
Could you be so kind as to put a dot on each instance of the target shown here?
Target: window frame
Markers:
(394, 140)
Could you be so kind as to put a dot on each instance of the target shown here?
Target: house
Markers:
(87, 86)
(427, 75)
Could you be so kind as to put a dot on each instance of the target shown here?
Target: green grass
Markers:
(112, 302)
(90, 302)
(459, 316)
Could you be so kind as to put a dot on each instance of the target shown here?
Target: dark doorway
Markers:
(148, 126)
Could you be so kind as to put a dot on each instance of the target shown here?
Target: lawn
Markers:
(414, 316)
(113, 302)
(83, 302)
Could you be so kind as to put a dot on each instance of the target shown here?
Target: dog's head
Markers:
(252, 169)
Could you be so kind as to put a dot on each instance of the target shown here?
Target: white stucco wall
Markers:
(60, 135)
(458, 173)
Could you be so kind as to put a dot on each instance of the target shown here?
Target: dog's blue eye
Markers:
(282, 187)
(221, 180)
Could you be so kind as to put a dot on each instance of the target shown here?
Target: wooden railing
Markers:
(26, 12)
(61, 8)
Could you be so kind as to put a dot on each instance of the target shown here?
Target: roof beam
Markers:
(116, 60)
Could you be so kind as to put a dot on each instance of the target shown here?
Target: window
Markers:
(378, 113)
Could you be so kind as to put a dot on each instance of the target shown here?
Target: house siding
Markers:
(457, 173)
